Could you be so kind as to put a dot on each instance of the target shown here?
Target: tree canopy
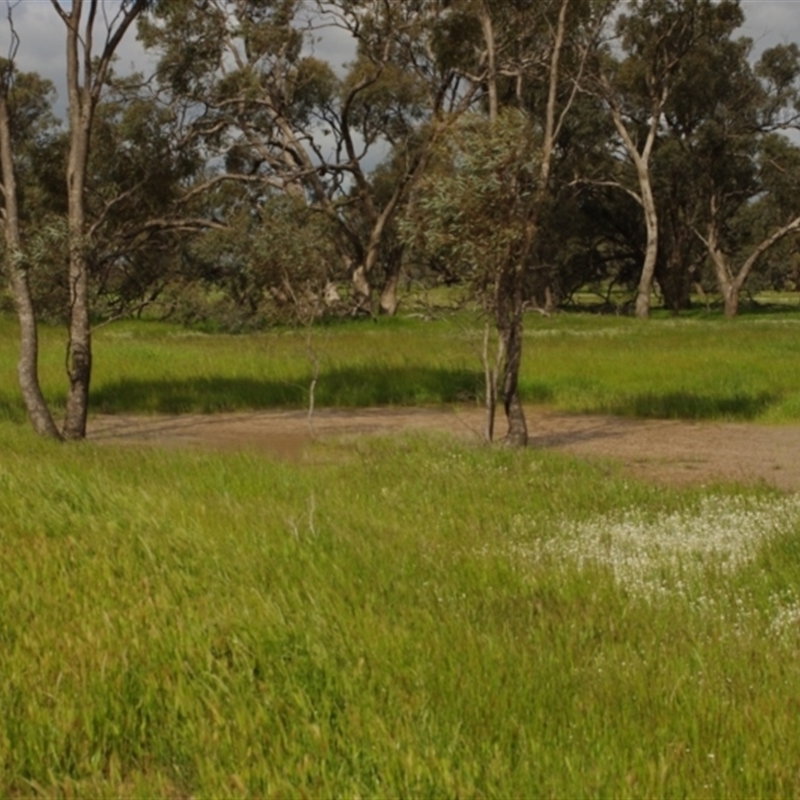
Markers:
(523, 150)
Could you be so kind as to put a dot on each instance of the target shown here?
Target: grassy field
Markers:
(406, 617)
(701, 368)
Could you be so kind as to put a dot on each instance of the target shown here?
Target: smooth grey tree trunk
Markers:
(79, 347)
(86, 74)
(641, 161)
(362, 290)
(28, 365)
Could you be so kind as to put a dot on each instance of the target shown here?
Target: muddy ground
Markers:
(669, 451)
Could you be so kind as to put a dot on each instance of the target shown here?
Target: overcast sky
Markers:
(768, 22)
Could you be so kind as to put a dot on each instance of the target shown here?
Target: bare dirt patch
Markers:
(669, 451)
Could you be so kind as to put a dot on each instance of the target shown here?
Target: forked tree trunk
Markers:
(731, 284)
(28, 366)
(510, 286)
(86, 76)
(79, 347)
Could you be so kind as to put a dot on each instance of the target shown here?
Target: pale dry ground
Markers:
(670, 451)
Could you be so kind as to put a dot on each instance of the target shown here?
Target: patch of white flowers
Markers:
(652, 555)
(787, 617)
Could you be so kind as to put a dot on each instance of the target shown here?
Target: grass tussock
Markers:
(411, 618)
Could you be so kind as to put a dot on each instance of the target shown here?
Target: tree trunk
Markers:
(28, 365)
(79, 347)
(79, 350)
(517, 435)
(731, 285)
(490, 370)
(549, 300)
(390, 302)
(389, 299)
(509, 326)
(645, 286)
(731, 297)
(362, 291)
(675, 285)
(81, 114)
(725, 281)
(641, 161)
(86, 74)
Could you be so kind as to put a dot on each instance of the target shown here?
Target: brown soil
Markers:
(668, 451)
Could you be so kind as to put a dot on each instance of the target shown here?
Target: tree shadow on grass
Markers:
(687, 405)
(12, 409)
(348, 388)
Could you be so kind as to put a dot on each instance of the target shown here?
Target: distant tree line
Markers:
(525, 150)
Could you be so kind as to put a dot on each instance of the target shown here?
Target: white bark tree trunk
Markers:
(641, 161)
(28, 365)
(730, 284)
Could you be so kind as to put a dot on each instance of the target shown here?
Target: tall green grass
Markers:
(407, 617)
(398, 618)
(697, 368)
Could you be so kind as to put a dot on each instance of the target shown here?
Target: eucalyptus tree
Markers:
(496, 186)
(86, 72)
(87, 68)
(472, 212)
(743, 223)
(747, 169)
(656, 40)
(275, 116)
(109, 200)
(24, 117)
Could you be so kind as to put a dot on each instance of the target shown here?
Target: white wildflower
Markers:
(787, 617)
(666, 553)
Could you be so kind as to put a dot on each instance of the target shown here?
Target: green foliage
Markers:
(270, 264)
(472, 208)
(657, 34)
